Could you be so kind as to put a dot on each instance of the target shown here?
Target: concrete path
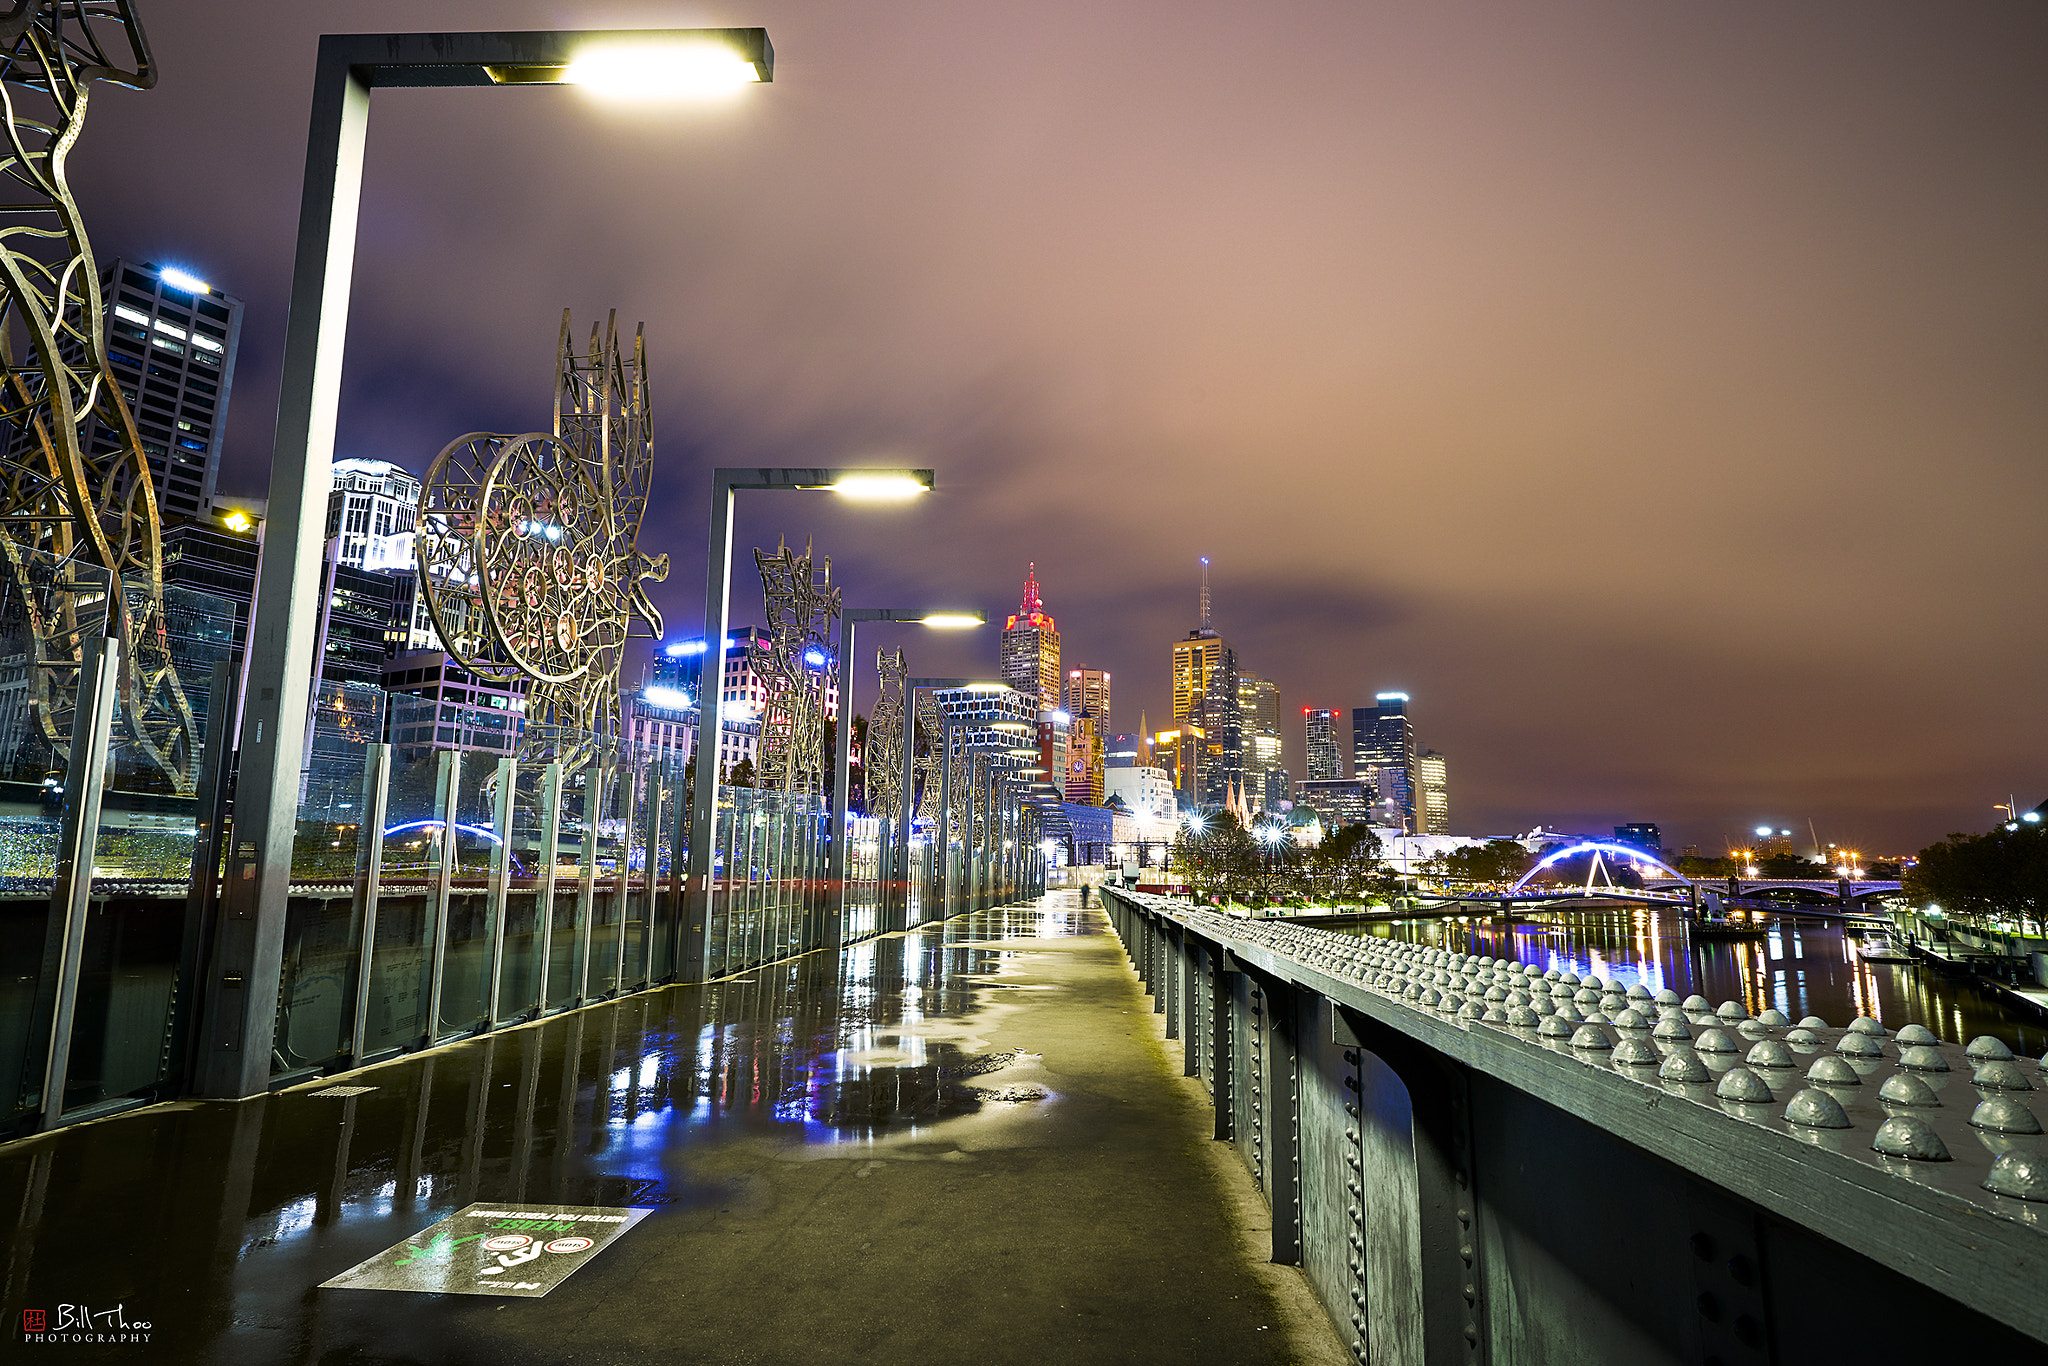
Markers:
(963, 1144)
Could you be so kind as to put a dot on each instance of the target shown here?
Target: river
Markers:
(1800, 967)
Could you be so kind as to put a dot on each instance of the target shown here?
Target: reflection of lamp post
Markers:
(241, 989)
(868, 485)
(842, 746)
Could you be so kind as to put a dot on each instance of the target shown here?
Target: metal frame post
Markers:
(550, 836)
(369, 876)
(650, 872)
(449, 763)
(500, 890)
(71, 890)
(586, 878)
(622, 881)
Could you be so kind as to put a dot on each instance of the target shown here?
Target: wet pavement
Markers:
(961, 1144)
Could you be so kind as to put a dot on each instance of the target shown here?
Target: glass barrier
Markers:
(610, 784)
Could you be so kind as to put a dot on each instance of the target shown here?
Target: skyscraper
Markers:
(1325, 759)
(170, 344)
(1383, 739)
(1088, 695)
(1205, 699)
(1258, 707)
(1031, 649)
(372, 511)
(1433, 797)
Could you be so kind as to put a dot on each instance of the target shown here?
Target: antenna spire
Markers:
(1205, 592)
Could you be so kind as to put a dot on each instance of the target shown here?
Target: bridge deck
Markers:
(960, 1144)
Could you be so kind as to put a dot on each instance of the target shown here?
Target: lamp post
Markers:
(842, 746)
(859, 484)
(240, 989)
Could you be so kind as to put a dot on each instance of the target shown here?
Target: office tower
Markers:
(1258, 707)
(372, 512)
(170, 345)
(1123, 751)
(1205, 703)
(1031, 649)
(1641, 835)
(1088, 695)
(1055, 736)
(1325, 759)
(1084, 763)
(1432, 791)
(209, 582)
(1383, 738)
(1337, 802)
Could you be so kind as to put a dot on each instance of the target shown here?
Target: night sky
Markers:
(1655, 392)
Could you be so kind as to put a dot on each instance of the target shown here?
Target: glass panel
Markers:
(466, 956)
(605, 916)
(401, 953)
(519, 969)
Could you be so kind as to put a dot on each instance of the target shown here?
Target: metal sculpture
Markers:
(883, 761)
(960, 763)
(930, 763)
(529, 551)
(801, 605)
(78, 527)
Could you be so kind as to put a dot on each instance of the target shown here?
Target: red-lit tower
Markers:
(1031, 648)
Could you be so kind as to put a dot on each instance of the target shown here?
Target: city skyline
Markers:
(1720, 271)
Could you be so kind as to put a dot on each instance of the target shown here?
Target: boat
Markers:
(1879, 948)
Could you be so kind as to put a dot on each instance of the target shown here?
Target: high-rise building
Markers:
(1258, 707)
(170, 344)
(1383, 738)
(1338, 802)
(1205, 704)
(1031, 649)
(1088, 695)
(372, 512)
(1641, 835)
(1432, 793)
(1124, 751)
(1084, 781)
(1325, 759)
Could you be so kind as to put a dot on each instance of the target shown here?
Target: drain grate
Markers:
(341, 1091)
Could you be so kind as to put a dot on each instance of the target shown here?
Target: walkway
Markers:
(963, 1144)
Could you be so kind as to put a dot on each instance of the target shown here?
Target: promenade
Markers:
(966, 1143)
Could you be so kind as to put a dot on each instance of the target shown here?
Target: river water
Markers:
(1800, 967)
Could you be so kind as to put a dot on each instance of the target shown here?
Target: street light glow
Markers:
(185, 280)
(882, 486)
(951, 621)
(661, 71)
(674, 699)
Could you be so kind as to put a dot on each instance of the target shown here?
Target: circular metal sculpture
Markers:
(529, 548)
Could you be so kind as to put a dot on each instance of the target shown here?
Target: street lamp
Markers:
(842, 745)
(856, 484)
(240, 995)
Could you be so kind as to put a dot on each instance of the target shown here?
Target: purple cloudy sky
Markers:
(1656, 392)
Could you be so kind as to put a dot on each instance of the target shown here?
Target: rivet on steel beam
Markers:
(1829, 1070)
(1814, 1022)
(1696, 1004)
(2021, 1175)
(1731, 1011)
(1555, 1027)
(1774, 1018)
(1987, 1049)
(1922, 1058)
(1684, 1065)
(1803, 1037)
(1714, 1041)
(1905, 1136)
(1855, 1044)
(1902, 1088)
(1814, 1109)
(1769, 1053)
(1739, 1083)
(1916, 1034)
(1863, 1024)
(1634, 1052)
(1673, 1031)
(1630, 1018)
(2001, 1075)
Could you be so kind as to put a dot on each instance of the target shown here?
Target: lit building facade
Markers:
(1383, 739)
(1433, 794)
(1258, 708)
(1325, 759)
(372, 513)
(1088, 695)
(1031, 649)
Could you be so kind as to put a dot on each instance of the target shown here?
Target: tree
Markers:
(1696, 867)
(1346, 866)
(1495, 863)
(741, 774)
(1999, 873)
(1789, 866)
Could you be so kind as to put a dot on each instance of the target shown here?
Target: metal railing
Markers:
(1473, 1162)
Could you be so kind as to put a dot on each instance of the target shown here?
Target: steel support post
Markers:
(908, 758)
(449, 785)
(369, 875)
(202, 893)
(698, 886)
(650, 872)
(622, 881)
(1222, 1074)
(944, 846)
(544, 891)
(1169, 995)
(499, 893)
(586, 877)
(92, 721)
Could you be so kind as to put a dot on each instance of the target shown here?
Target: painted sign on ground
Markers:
(493, 1250)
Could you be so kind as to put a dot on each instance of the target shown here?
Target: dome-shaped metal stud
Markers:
(1630, 1018)
(1804, 1037)
(1521, 1017)
(1667, 997)
(1855, 1045)
(1829, 1070)
(1591, 1036)
(1774, 1018)
(1731, 1011)
(1684, 1065)
(1814, 1022)
(1596, 1017)
(1902, 1088)
(1696, 1005)
(1916, 1034)
(1494, 1015)
(2021, 1175)
(1987, 1049)
(2004, 1116)
(1863, 1024)
(1739, 1083)
(1923, 1058)
(1907, 1137)
(2001, 1075)
(1814, 1109)
(1555, 1027)
(1672, 1030)
(1769, 1053)
(1637, 992)
(1633, 1052)
(1472, 1010)
(1715, 1041)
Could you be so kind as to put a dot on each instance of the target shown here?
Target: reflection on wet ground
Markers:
(761, 1118)
(1802, 967)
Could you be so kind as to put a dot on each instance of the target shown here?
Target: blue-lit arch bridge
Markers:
(1475, 1161)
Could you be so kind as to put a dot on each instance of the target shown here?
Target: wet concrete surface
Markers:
(961, 1144)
